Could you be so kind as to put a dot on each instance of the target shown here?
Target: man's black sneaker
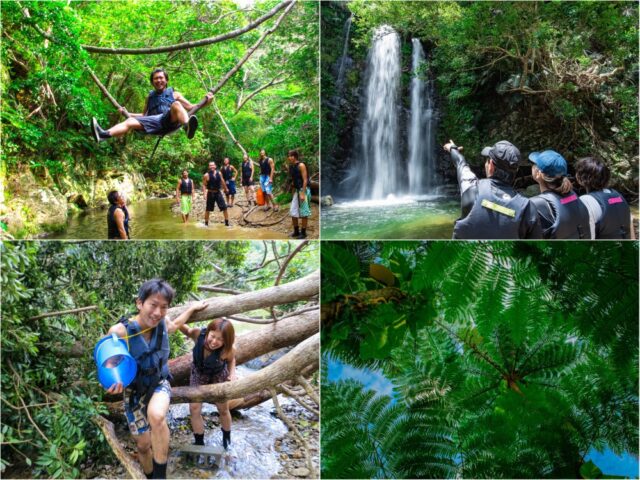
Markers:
(98, 133)
(191, 126)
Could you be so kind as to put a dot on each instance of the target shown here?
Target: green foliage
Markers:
(557, 75)
(49, 98)
(528, 349)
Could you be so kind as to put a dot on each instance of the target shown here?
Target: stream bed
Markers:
(153, 219)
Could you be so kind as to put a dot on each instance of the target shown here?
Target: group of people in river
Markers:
(166, 111)
(492, 209)
(147, 398)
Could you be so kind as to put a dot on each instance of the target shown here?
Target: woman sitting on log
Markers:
(214, 361)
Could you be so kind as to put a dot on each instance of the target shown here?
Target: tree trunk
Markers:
(288, 367)
(284, 333)
(297, 290)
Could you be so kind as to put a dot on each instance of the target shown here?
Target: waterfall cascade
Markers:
(381, 171)
(421, 127)
(380, 160)
(343, 58)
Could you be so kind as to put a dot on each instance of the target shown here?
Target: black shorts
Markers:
(213, 198)
(247, 183)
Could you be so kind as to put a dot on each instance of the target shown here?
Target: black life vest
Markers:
(112, 227)
(160, 102)
(152, 358)
(496, 214)
(296, 175)
(227, 173)
(186, 187)
(213, 364)
(615, 222)
(246, 170)
(265, 168)
(569, 215)
(214, 181)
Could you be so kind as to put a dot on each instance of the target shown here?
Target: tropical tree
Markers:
(519, 358)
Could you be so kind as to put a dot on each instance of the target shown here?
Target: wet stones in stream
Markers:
(291, 454)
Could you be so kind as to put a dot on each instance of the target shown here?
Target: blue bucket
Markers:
(115, 363)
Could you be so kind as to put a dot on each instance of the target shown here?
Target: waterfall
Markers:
(378, 176)
(341, 67)
(421, 127)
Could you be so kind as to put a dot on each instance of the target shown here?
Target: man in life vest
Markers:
(184, 195)
(229, 173)
(212, 186)
(165, 111)
(247, 180)
(562, 216)
(301, 200)
(491, 208)
(267, 171)
(146, 399)
(609, 212)
(117, 217)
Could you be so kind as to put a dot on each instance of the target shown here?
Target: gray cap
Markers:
(505, 154)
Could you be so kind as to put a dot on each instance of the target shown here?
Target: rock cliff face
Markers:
(32, 206)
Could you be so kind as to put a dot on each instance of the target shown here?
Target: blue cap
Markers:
(550, 162)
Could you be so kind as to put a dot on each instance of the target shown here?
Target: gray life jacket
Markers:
(152, 358)
(160, 102)
(615, 222)
(569, 216)
(496, 214)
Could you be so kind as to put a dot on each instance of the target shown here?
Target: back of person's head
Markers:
(228, 334)
(505, 156)
(592, 173)
(159, 70)
(553, 169)
(112, 197)
(156, 286)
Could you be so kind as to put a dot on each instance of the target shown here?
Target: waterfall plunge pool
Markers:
(401, 217)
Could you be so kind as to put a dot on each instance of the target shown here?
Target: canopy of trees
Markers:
(560, 75)
(50, 48)
(58, 298)
(508, 360)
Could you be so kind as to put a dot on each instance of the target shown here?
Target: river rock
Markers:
(300, 472)
(326, 201)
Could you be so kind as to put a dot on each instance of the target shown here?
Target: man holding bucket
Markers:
(146, 400)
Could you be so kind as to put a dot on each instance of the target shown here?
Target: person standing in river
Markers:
(184, 195)
(247, 180)
(117, 217)
(267, 171)
(229, 173)
(301, 200)
(212, 184)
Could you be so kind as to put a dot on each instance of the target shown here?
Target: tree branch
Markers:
(63, 312)
(192, 44)
(132, 467)
(274, 81)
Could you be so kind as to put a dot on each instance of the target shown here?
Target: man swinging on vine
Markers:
(165, 111)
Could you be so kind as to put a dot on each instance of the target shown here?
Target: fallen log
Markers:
(284, 333)
(297, 290)
(131, 466)
(288, 367)
(246, 402)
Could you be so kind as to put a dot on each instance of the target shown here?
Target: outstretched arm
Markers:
(192, 109)
(467, 180)
(176, 323)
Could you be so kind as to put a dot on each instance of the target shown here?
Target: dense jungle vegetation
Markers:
(49, 96)
(49, 389)
(559, 75)
(507, 359)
